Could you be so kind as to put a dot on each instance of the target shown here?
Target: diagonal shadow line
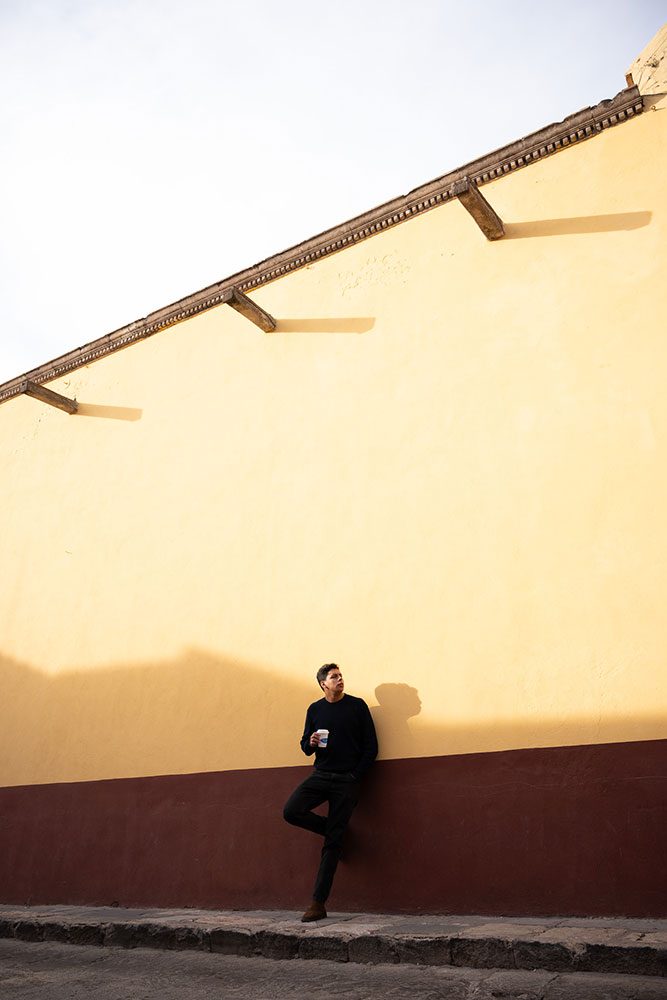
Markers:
(621, 221)
(109, 412)
(188, 714)
(329, 324)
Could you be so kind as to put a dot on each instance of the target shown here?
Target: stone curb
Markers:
(344, 945)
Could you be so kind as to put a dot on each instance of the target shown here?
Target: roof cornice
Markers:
(532, 148)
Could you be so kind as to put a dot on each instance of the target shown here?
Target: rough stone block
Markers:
(55, 931)
(154, 935)
(543, 955)
(190, 939)
(331, 949)
(227, 941)
(373, 948)
(272, 945)
(483, 953)
(85, 934)
(635, 961)
(423, 951)
(121, 935)
(28, 930)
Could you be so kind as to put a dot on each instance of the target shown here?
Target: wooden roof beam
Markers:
(474, 202)
(45, 395)
(237, 300)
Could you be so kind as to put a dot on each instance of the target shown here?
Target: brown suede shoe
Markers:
(315, 911)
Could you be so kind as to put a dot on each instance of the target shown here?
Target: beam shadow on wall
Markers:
(328, 324)
(109, 412)
(578, 225)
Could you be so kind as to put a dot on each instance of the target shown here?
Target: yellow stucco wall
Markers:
(446, 471)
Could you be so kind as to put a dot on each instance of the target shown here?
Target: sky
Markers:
(149, 148)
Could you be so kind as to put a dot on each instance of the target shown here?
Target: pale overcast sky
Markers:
(151, 147)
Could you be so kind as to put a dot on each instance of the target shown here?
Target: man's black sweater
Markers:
(352, 746)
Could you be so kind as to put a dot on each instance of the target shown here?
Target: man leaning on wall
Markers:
(339, 730)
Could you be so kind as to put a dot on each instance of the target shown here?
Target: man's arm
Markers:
(308, 731)
(369, 743)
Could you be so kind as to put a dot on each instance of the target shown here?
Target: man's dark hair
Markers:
(323, 672)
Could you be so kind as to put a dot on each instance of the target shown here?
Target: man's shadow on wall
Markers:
(397, 703)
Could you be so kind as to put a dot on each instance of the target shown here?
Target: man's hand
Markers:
(314, 740)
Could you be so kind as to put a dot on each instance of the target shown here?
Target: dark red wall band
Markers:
(562, 831)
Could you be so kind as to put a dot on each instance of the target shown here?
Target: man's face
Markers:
(333, 685)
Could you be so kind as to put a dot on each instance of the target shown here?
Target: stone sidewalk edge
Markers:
(493, 952)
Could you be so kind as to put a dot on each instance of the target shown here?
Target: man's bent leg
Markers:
(298, 809)
(343, 797)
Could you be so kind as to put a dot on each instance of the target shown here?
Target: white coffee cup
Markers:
(323, 735)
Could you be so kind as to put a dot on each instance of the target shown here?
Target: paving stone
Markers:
(506, 930)
(580, 936)
(591, 986)
(640, 924)
(513, 983)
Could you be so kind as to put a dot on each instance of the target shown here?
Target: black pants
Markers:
(341, 792)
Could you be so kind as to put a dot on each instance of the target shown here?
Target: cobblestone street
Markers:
(47, 971)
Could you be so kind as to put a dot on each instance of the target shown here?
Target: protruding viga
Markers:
(649, 70)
